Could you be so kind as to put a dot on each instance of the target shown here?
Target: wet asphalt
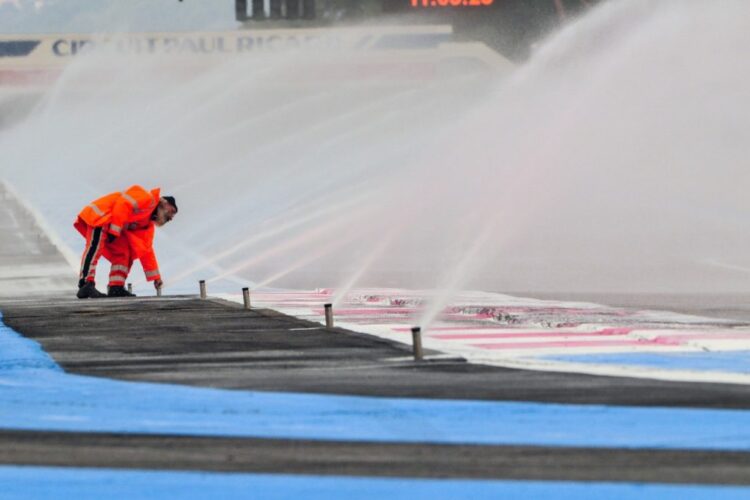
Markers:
(213, 343)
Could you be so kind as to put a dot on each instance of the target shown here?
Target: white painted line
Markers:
(443, 356)
(712, 377)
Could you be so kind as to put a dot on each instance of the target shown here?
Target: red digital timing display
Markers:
(450, 3)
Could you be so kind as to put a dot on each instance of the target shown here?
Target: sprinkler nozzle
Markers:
(416, 338)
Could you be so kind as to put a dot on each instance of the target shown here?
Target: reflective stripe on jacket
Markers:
(115, 210)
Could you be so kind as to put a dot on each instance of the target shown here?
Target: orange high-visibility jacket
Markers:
(127, 213)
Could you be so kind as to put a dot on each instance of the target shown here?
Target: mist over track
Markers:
(613, 160)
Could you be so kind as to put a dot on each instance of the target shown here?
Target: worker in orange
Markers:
(120, 226)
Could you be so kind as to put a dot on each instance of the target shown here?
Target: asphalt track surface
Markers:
(29, 262)
(212, 343)
(371, 459)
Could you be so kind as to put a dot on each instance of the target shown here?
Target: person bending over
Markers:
(120, 226)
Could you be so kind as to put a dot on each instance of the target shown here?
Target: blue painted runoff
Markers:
(731, 361)
(36, 394)
(30, 483)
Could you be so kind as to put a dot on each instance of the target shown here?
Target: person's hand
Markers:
(158, 284)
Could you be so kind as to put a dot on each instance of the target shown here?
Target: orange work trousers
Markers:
(117, 253)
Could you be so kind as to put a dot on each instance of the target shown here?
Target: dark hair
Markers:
(170, 200)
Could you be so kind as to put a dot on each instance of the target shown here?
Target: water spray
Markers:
(518, 131)
(280, 228)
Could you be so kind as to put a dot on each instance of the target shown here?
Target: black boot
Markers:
(118, 291)
(88, 291)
